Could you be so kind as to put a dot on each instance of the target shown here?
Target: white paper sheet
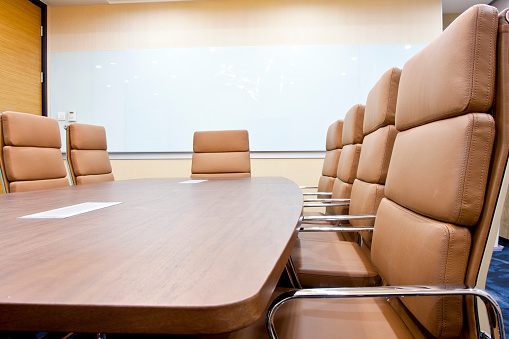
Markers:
(69, 211)
(192, 181)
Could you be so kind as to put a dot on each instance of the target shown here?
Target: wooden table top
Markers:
(172, 258)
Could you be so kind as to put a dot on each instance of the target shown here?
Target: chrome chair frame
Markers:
(339, 217)
(317, 193)
(336, 229)
(326, 200)
(327, 204)
(308, 187)
(494, 312)
(290, 267)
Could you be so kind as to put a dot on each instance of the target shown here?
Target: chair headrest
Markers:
(454, 74)
(87, 137)
(352, 125)
(221, 141)
(29, 130)
(381, 102)
(334, 136)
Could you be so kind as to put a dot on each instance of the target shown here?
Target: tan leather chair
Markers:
(87, 154)
(349, 157)
(346, 173)
(221, 154)
(442, 186)
(333, 145)
(322, 259)
(31, 158)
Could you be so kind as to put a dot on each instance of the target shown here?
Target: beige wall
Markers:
(240, 23)
(302, 171)
(448, 18)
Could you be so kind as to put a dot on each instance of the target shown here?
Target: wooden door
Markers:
(20, 57)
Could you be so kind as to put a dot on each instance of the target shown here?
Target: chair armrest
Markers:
(336, 229)
(327, 204)
(308, 187)
(338, 217)
(327, 200)
(494, 312)
(317, 193)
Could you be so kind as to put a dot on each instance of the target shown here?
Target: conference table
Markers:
(169, 255)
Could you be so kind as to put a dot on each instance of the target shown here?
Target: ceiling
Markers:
(62, 3)
(448, 6)
(459, 6)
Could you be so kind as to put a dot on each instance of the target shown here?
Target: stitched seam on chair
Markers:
(475, 65)
(377, 189)
(442, 275)
(463, 187)
(391, 80)
(454, 304)
(357, 155)
(458, 301)
(475, 124)
(494, 21)
(443, 280)
(384, 155)
(487, 155)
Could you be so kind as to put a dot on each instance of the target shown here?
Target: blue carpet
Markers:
(497, 283)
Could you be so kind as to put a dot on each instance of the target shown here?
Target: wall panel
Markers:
(243, 23)
(306, 172)
(20, 52)
(240, 23)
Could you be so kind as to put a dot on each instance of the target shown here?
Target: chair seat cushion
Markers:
(332, 264)
(229, 162)
(321, 236)
(220, 175)
(344, 318)
(90, 179)
(327, 318)
(33, 185)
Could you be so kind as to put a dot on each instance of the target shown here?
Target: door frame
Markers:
(44, 56)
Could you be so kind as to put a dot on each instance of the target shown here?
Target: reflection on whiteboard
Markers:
(154, 100)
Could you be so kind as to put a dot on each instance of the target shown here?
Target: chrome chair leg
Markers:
(292, 274)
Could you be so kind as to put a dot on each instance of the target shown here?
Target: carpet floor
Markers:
(497, 283)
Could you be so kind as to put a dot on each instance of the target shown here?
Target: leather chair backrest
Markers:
(221, 154)
(30, 153)
(349, 159)
(87, 154)
(333, 145)
(428, 224)
(379, 136)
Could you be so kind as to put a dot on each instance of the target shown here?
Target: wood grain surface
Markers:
(172, 258)
(20, 52)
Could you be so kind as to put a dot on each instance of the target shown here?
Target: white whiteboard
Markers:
(153, 100)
